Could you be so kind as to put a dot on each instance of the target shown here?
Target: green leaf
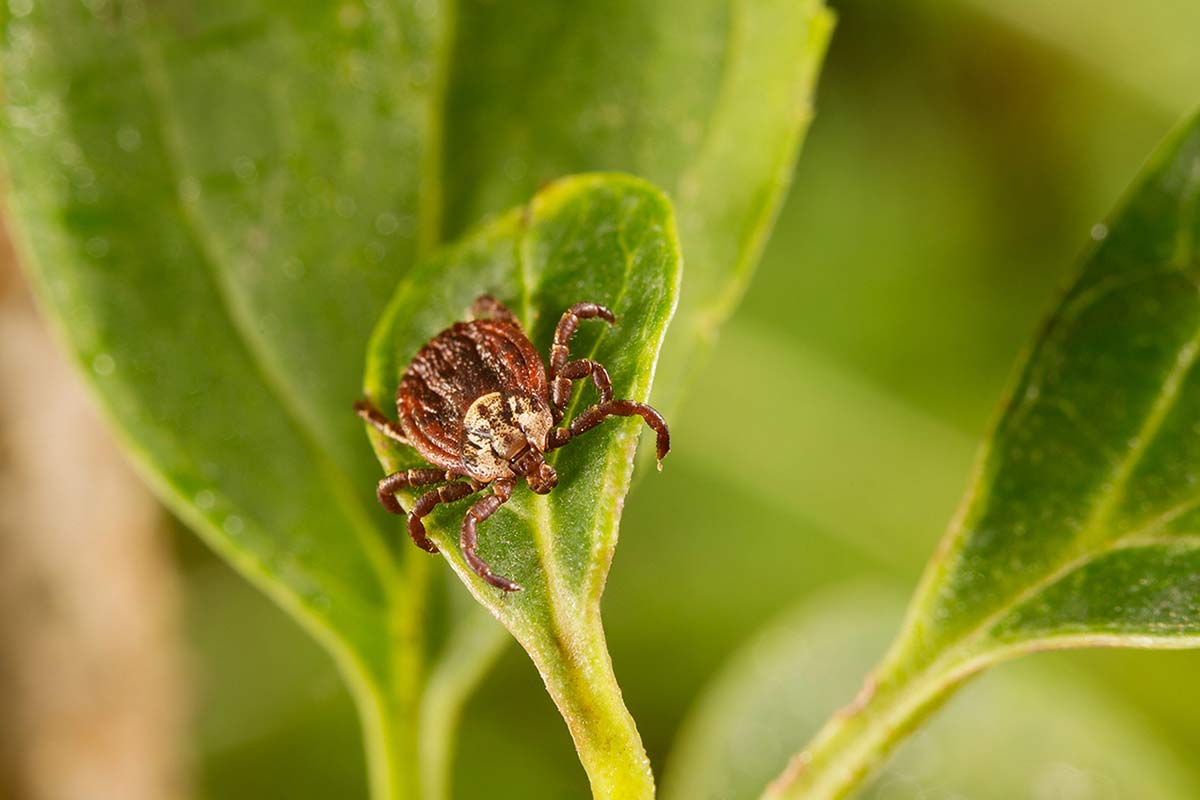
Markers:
(1081, 526)
(1145, 47)
(708, 99)
(214, 246)
(609, 239)
(215, 201)
(1025, 731)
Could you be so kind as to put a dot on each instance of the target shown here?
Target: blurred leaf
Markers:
(707, 99)
(214, 248)
(264, 695)
(603, 238)
(855, 437)
(466, 657)
(1023, 732)
(1080, 529)
(1147, 47)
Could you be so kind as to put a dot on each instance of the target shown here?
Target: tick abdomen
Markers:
(462, 364)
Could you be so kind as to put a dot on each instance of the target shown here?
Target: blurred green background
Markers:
(961, 154)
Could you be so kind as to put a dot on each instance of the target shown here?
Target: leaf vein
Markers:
(157, 85)
(1089, 540)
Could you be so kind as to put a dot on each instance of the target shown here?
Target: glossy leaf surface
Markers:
(608, 239)
(1081, 526)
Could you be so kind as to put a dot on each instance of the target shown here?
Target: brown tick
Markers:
(477, 402)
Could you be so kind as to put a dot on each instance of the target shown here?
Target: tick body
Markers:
(478, 403)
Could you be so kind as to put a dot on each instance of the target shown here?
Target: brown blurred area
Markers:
(93, 694)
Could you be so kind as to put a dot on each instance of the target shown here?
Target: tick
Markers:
(478, 403)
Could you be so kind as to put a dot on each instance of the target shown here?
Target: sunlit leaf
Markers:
(1081, 526)
(602, 238)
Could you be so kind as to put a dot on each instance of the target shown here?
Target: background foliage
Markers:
(963, 152)
(1018, 142)
(981, 154)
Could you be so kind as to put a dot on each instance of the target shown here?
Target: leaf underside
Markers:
(1080, 527)
(1084, 523)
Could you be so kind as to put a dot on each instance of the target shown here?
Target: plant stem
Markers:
(585, 689)
(389, 732)
(390, 704)
(859, 738)
(472, 650)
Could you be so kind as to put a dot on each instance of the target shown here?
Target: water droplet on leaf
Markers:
(129, 138)
(103, 365)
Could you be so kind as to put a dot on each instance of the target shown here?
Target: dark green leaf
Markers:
(1081, 527)
(603, 238)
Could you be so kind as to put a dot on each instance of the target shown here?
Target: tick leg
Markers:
(375, 418)
(483, 508)
(613, 408)
(426, 503)
(488, 307)
(560, 388)
(388, 486)
(561, 350)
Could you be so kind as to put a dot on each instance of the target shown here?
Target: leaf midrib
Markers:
(565, 634)
(568, 628)
(1095, 534)
(157, 85)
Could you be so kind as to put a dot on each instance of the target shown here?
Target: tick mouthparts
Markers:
(544, 480)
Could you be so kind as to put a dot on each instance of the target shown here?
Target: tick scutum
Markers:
(460, 365)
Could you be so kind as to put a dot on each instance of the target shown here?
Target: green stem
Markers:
(470, 653)
(390, 704)
(585, 690)
(859, 738)
(389, 732)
